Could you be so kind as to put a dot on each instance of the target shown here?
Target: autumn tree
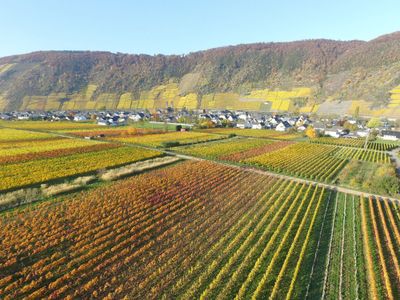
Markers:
(374, 123)
(349, 126)
(131, 131)
(311, 132)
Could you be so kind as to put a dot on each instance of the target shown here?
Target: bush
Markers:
(23, 196)
(170, 144)
(387, 185)
(231, 135)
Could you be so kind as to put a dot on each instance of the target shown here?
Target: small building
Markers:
(362, 133)
(301, 128)
(390, 135)
(336, 131)
(80, 118)
(256, 126)
(283, 126)
(136, 117)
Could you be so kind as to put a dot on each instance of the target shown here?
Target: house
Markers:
(390, 135)
(23, 117)
(256, 126)
(301, 128)
(351, 135)
(283, 126)
(362, 133)
(102, 122)
(231, 118)
(243, 116)
(336, 131)
(136, 117)
(273, 121)
(332, 132)
(79, 118)
(248, 125)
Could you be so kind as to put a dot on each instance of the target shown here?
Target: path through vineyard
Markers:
(394, 155)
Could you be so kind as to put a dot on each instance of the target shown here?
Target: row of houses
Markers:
(256, 121)
(102, 117)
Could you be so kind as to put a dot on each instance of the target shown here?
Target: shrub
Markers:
(386, 185)
(170, 144)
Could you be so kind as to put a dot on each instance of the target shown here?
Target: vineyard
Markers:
(363, 155)
(50, 126)
(306, 160)
(224, 148)
(239, 156)
(272, 134)
(113, 132)
(35, 146)
(11, 135)
(160, 140)
(33, 168)
(202, 230)
(359, 143)
(299, 159)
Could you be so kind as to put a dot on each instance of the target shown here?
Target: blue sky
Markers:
(178, 26)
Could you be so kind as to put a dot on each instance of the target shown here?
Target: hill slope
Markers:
(271, 76)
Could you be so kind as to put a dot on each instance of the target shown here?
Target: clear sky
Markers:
(182, 26)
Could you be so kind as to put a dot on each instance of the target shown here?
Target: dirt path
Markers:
(394, 155)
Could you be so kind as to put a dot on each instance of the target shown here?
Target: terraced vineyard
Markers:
(202, 230)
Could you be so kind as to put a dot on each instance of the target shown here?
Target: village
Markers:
(332, 126)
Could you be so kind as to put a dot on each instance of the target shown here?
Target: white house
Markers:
(256, 126)
(102, 122)
(301, 128)
(243, 116)
(79, 118)
(283, 126)
(332, 132)
(390, 135)
(273, 121)
(362, 133)
(135, 117)
(23, 117)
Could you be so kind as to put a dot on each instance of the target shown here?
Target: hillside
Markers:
(292, 76)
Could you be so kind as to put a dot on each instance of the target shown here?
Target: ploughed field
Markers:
(199, 229)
